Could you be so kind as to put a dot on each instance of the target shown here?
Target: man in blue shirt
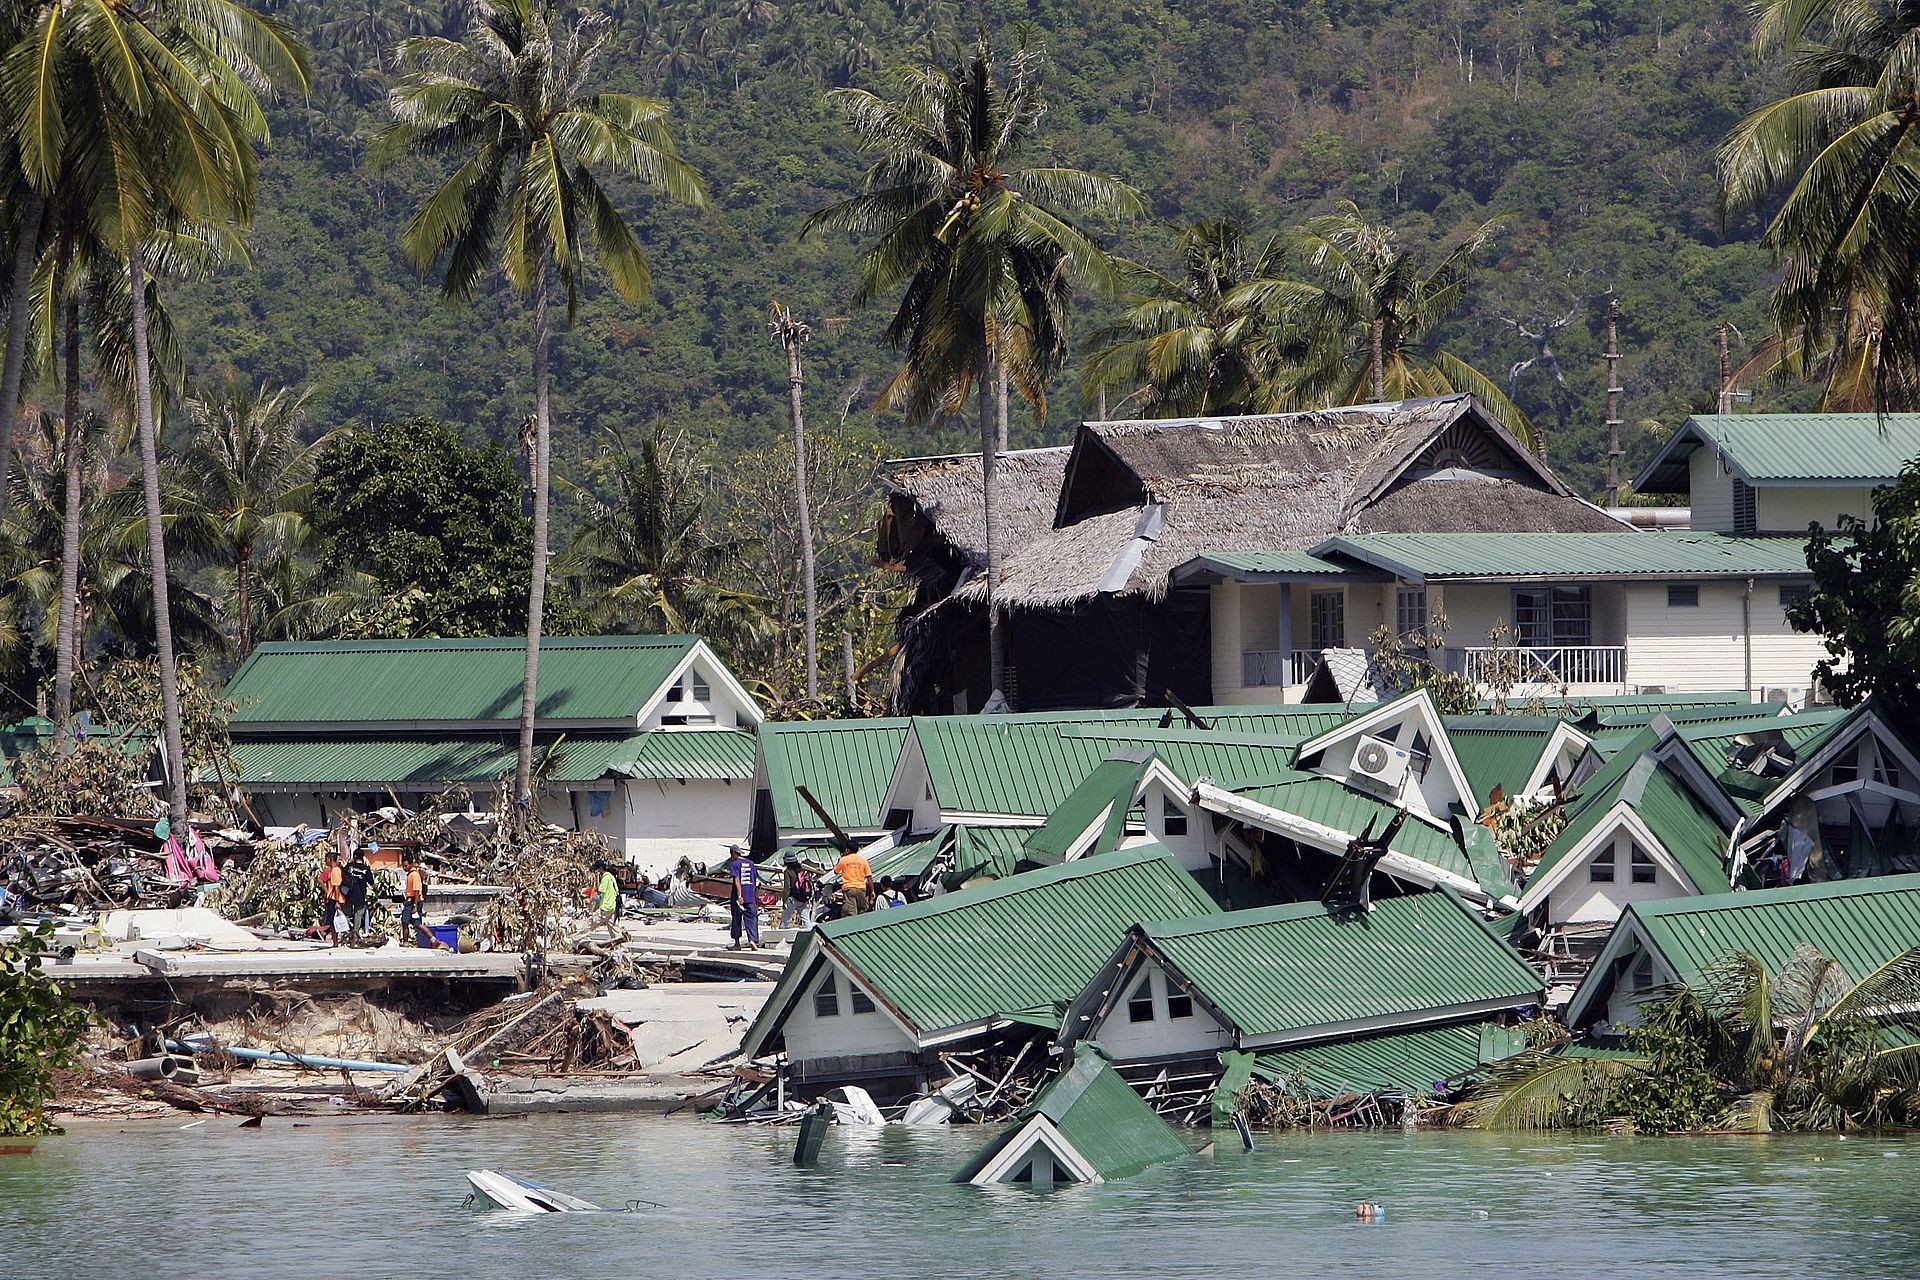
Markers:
(744, 898)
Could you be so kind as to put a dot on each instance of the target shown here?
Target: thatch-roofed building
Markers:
(1088, 536)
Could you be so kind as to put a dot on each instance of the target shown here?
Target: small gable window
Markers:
(1644, 872)
(1140, 1007)
(1685, 596)
(1173, 819)
(1179, 1006)
(826, 999)
(702, 691)
(862, 1003)
(1600, 870)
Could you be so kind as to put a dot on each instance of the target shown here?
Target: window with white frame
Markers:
(1600, 870)
(826, 998)
(1327, 619)
(1173, 819)
(861, 1002)
(1410, 612)
(1553, 617)
(1644, 872)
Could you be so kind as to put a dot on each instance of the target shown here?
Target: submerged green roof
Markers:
(582, 679)
(1016, 945)
(277, 762)
(1308, 967)
(1423, 1062)
(1683, 823)
(1790, 448)
(1094, 814)
(845, 764)
(1650, 553)
(1103, 1119)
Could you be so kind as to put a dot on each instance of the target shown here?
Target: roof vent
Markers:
(1378, 765)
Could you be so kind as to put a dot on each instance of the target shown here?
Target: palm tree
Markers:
(1189, 346)
(1751, 1048)
(514, 103)
(1844, 144)
(649, 558)
(791, 333)
(1367, 307)
(249, 478)
(982, 247)
(158, 102)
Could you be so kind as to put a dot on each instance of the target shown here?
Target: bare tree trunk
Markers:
(19, 320)
(1379, 365)
(537, 585)
(996, 641)
(1000, 408)
(73, 449)
(791, 334)
(156, 536)
(243, 570)
(852, 677)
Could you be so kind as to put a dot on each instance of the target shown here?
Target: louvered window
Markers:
(1745, 519)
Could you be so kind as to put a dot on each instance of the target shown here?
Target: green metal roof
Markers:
(1424, 1062)
(846, 764)
(582, 679)
(1099, 1114)
(1860, 923)
(1306, 965)
(1685, 826)
(1495, 755)
(35, 733)
(687, 753)
(279, 762)
(1652, 553)
(1260, 566)
(1100, 804)
(1331, 803)
(1790, 448)
(988, 853)
(1711, 741)
(1023, 943)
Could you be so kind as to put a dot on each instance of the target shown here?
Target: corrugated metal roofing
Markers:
(1096, 1111)
(1101, 800)
(1496, 756)
(1306, 965)
(1860, 923)
(585, 678)
(1652, 553)
(277, 762)
(846, 764)
(687, 753)
(1419, 1062)
(1711, 741)
(1025, 942)
(1333, 804)
(1788, 448)
(1259, 566)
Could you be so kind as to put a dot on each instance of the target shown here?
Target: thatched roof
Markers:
(946, 490)
(1138, 498)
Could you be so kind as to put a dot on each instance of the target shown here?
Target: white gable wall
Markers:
(1704, 647)
(1710, 491)
(846, 1033)
(1781, 508)
(1163, 1035)
(1580, 899)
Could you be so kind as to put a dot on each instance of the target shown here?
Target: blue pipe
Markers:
(271, 1055)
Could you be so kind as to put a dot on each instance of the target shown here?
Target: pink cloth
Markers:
(195, 867)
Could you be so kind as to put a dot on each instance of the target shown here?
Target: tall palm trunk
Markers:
(243, 570)
(537, 585)
(996, 638)
(74, 448)
(790, 333)
(156, 536)
(1000, 407)
(19, 320)
(1379, 366)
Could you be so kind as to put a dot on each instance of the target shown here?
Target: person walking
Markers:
(796, 904)
(856, 880)
(413, 904)
(357, 885)
(744, 897)
(606, 896)
(333, 900)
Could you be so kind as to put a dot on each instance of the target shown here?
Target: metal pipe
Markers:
(288, 1059)
(1746, 626)
(167, 1067)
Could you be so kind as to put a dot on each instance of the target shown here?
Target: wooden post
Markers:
(1612, 356)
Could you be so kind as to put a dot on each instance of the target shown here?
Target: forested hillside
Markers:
(1591, 122)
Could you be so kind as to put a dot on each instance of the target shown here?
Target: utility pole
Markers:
(852, 676)
(1612, 356)
(791, 333)
(1726, 373)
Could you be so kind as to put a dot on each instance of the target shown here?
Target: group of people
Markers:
(805, 897)
(347, 895)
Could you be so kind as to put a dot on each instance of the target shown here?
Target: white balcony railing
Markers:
(1275, 668)
(1582, 664)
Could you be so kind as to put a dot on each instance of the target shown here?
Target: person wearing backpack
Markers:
(356, 880)
(797, 903)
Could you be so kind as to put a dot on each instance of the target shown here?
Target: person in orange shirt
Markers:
(413, 904)
(856, 880)
(333, 898)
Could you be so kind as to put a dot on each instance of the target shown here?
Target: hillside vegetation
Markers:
(1591, 124)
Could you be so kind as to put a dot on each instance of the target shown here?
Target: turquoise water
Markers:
(383, 1197)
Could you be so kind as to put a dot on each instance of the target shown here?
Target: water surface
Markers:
(383, 1197)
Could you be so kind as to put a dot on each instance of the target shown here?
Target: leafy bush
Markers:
(40, 1034)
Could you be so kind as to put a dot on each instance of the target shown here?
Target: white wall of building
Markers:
(1791, 508)
(1163, 1035)
(1185, 835)
(684, 703)
(846, 1033)
(1710, 491)
(1704, 646)
(1581, 899)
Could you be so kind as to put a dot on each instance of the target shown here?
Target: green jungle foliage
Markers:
(40, 1034)
(1591, 123)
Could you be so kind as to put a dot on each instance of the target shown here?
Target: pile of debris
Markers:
(59, 865)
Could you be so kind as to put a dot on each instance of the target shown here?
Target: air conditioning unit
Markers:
(1378, 765)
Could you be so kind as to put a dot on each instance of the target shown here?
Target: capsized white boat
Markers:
(509, 1191)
